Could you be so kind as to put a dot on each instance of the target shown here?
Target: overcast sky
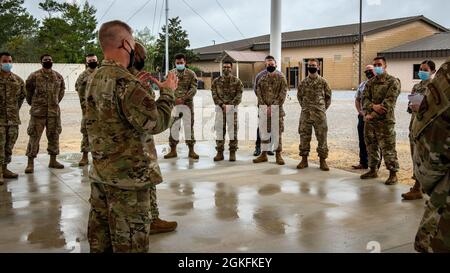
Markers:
(252, 17)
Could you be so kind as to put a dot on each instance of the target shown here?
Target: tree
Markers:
(17, 26)
(178, 43)
(68, 33)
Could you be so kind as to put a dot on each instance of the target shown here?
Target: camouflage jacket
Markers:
(187, 85)
(272, 90)
(314, 94)
(45, 90)
(431, 129)
(80, 87)
(419, 88)
(227, 91)
(119, 113)
(385, 91)
(12, 95)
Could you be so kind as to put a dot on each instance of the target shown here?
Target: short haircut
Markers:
(5, 54)
(270, 58)
(228, 62)
(45, 55)
(431, 64)
(314, 60)
(90, 55)
(110, 33)
(380, 58)
(180, 56)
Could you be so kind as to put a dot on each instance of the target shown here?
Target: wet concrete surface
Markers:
(220, 207)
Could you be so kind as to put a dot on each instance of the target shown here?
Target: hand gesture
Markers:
(171, 82)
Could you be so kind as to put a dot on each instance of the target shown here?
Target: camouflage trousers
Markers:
(154, 211)
(85, 139)
(182, 114)
(318, 121)
(222, 121)
(8, 138)
(269, 138)
(119, 220)
(52, 126)
(381, 136)
(433, 235)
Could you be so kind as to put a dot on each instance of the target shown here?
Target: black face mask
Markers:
(139, 65)
(92, 65)
(369, 74)
(132, 54)
(47, 65)
(271, 69)
(312, 70)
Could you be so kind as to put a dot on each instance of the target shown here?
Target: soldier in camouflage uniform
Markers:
(12, 95)
(271, 92)
(187, 88)
(119, 113)
(158, 225)
(427, 70)
(380, 98)
(314, 96)
(80, 87)
(45, 90)
(227, 95)
(431, 130)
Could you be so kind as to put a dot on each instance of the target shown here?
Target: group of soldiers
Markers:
(43, 91)
(429, 106)
(120, 116)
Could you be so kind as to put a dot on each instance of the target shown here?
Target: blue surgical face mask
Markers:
(7, 67)
(379, 70)
(424, 75)
(181, 67)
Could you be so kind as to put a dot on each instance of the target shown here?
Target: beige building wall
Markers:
(337, 63)
(246, 73)
(404, 69)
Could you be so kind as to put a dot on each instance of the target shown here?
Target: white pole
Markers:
(275, 31)
(167, 37)
(237, 69)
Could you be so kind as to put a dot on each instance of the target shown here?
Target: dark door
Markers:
(293, 74)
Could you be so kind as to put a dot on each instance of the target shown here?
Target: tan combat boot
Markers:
(279, 159)
(392, 180)
(303, 164)
(373, 173)
(232, 156)
(53, 164)
(415, 193)
(172, 153)
(192, 153)
(84, 160)
(262, 158)
(219, 156)
(30, 166)
(161, 226)
(323, 165)
(9, 174)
